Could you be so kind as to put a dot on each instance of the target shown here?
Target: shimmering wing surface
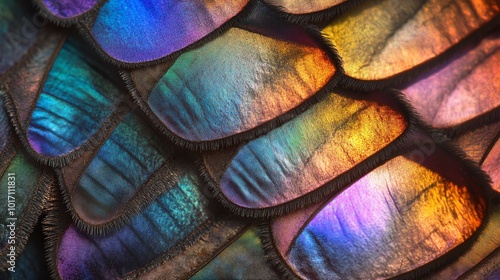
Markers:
(66, 9)
(169, 26)
(171, 226)
(477, 142)
(242, 80)
(287, 102)
(385, 224)
(483, 146)
(465, 88)
(130, 169)
(487, 242)
(79, 97)
(22, 198)
(379, 39)
(329, 139)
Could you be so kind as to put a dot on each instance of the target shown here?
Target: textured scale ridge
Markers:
(207, 94)
(446, 209)
(407, 35)
(310, 151)
(72, 106)
(249, 139)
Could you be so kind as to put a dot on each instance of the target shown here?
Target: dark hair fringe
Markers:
(8, 153)
(9, 102)
(474, 173)
(94, 141)
(144, 196)
(271, 252)
(45, 33)
(473, 168)
(274, 257)
(33, 211)
(87, 20)
(398, 146)
(58, 220)
(230, 241)
(177, 249)
(452, 148)
(65, 22)
(212, 145)
(490, 147)
(101, 134)
(54, 224)
(416, 73)
(314, 17)
(490, 117)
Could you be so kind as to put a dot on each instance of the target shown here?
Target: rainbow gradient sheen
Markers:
(120, 168)
(491, 165)
(379, 39)
(78, 96)
(139, 31)
(17, 32)
(304, 7)
(151, 234)
(306, 153)
(385, 224)
(69, 8)
(487, 242)
(462, 90)
(237, 82)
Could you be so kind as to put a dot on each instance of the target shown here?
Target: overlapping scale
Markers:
(159, 232)
(245, 78)
(380, 39)
(398, 218)
(486, 243)
(24, 184)
(30, 264)
(79, 97)
(488, 269)
(464, 89)
(304, 7)
(477, 142)
(131, 168)
(48, 102)
(243, 259)
(5, 130)
(491, 165)
(328, 141)
(25, 80)
(17, 32)
(139, 31)
(68, 8)
(483, 146)
(222, 231)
